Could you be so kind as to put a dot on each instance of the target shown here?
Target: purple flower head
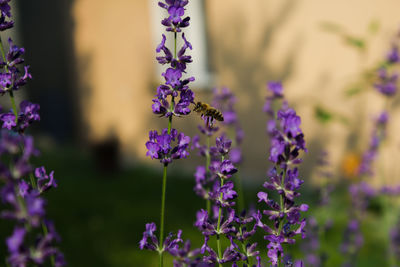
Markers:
(387, 83)
(5, 10)
(393, 55)
(149, 240)
(228, 194)
(160, 107)
(276, 150)
(14, 55)
(29, 113)
(35, 208)
(161, 147)
(5, 82)
(172, 77)
(186, 98)
(44, 181)
(8, 120)
(276, 88)
(176, 11)
(290, 122)
(226, 169)
(235, 155)
(15, 241)
(223, 144)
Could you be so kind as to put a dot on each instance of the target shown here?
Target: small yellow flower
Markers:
(350, 165)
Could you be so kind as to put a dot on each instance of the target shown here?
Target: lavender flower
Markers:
(287, 140)
(5, 18)
(176, 11)
(224, 220)
(387, 83)
(23, 201)
(159, 146)
(172, 99)
(172, 244)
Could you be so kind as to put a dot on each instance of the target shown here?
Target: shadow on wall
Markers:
(239, 60)
(47, 31)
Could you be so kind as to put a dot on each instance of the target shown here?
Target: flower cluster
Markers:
(22, 186)
(287, 140)
(176, 12)
(5, 17)
(29, 113)
(172, 99)
(378, 134)
(223, 220)
(173, 244)
(361, 192)
(174, 86)
(159, 146)
(387, 78)
(12, 78)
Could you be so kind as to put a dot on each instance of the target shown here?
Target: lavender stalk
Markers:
(166, 105)
(25, 202)
(287, 140)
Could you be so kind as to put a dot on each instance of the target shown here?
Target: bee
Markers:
(208, 111)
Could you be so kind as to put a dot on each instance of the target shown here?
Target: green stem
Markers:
(164, 182)
(3, 54)
(243, 245)
(14, 107)
(218, 227)
(282, 208)
(33, 182)
(208, 160)
(164, 189)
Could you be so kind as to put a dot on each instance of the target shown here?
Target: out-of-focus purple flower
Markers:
(393, 55)
(44, 181)
(8, 120)
(15, 241)
(22, 201)
(377, 136)
(387, 83)
(29, 112)
(276, 88)
(223, 144)
(5, 18)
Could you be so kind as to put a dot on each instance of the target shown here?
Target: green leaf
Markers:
(322, 114)
(355, 42)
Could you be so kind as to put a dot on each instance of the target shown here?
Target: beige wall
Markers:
(251, 42)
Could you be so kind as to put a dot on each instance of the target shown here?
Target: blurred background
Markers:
(94, 75)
